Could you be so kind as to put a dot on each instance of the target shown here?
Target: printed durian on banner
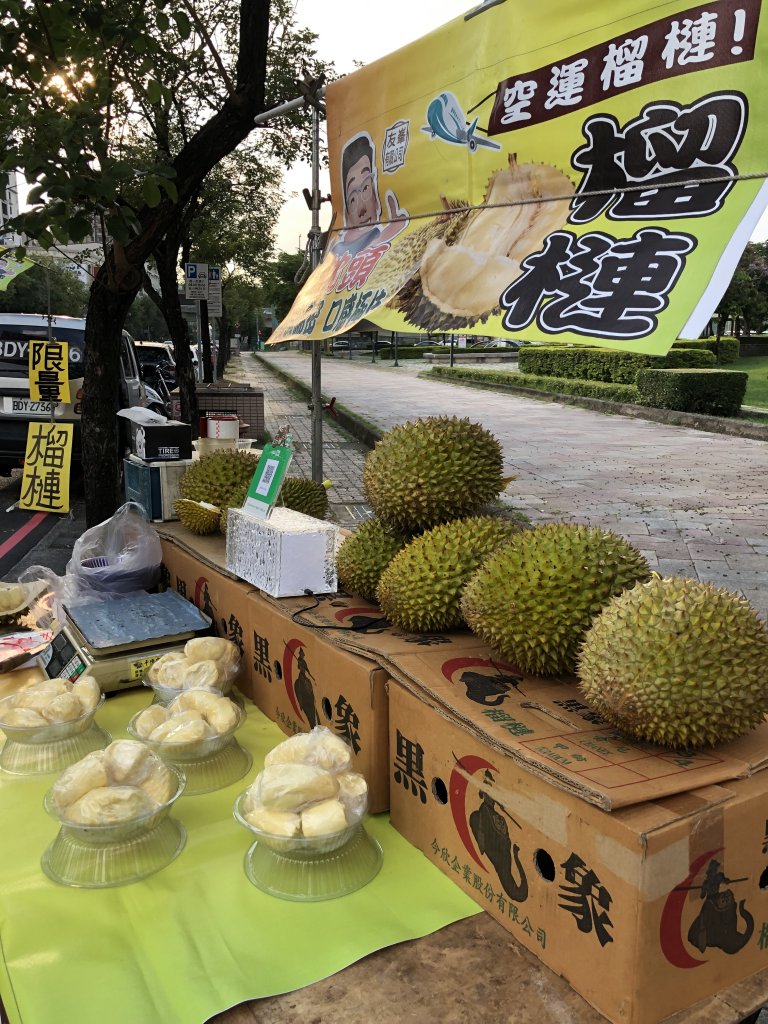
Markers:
(586, 175)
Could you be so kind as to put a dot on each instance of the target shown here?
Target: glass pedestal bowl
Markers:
(307, 869)
(40, 749)
(208, 764)
(166, 694)
(103, 856)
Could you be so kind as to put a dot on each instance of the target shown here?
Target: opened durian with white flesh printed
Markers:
(307, 788)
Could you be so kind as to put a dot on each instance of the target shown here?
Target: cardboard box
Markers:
(645, 909)
(214, 592)
(163, 442)
(285, 555)
(301, 679)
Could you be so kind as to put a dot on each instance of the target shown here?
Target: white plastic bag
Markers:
(120, 555)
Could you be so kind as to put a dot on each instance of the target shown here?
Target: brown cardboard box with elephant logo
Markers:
(301, 679)
(645, 909)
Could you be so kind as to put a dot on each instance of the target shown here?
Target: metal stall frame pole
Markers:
(311, 95)
(317, 398)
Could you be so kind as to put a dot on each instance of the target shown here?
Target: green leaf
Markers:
(154, 91)
(118, 229)
(163, 21)
(183, 24)
(151, 193)
(170, 188)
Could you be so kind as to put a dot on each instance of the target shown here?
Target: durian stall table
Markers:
(645, 909)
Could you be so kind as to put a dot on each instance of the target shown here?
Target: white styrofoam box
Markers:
(284, 555)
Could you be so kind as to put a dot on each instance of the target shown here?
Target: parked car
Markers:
(17, 409)
(510, 344)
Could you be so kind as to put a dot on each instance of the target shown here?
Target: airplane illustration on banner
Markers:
(446, 121)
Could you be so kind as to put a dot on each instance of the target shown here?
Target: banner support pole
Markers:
(317, 398)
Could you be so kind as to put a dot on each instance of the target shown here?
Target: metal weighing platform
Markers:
(115, 640)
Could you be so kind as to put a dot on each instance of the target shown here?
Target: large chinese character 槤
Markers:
(598, 285)
(690, 42)
(586, 899)
(409, 766)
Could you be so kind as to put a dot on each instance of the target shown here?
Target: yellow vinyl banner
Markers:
(585, 174)
(45, 481)
(48, 375)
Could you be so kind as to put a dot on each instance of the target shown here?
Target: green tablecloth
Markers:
(197, 937)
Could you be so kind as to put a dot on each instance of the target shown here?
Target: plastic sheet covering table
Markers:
(197, 937)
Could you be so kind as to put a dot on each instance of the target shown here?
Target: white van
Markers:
(16, 407)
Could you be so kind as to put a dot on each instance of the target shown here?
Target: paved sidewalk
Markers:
(695, 503)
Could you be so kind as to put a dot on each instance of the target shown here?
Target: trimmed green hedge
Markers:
(712, 392)
(557, 385)
(725, 351)
(602, 364)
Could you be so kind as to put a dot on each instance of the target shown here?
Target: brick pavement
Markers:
(695, 503)
(343, 455)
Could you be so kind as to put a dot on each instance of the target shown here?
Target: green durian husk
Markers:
(196, 517)
(430, 471)
(420, 590)
(534, 601)
(677, 662)
(364, 556)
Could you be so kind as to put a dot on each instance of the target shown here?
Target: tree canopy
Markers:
(116, 111)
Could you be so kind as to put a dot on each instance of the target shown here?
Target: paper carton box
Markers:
(216, 594)
(644, 909)
(301, 679)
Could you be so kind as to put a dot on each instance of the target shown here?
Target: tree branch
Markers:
(209, 43)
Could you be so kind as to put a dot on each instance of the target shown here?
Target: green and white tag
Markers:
(267, 480)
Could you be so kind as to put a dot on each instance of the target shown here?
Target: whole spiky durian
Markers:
(216, 477)
(364, 556)
(677, 662)
(534, 600)
(420, 590)
(198, 516)
(432, 470)
(235, 500)
(303, 495)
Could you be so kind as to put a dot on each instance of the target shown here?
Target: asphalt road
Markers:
(20, 531)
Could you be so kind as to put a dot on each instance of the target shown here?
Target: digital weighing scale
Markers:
(117, 639)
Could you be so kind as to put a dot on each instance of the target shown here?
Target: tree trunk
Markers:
(165, 257)
(120, 276)
(103, 394)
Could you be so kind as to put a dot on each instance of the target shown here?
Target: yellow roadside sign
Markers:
(45, 481)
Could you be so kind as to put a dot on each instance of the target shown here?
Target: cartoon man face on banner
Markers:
(362, 206)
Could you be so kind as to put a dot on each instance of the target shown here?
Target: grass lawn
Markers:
(757, 385)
